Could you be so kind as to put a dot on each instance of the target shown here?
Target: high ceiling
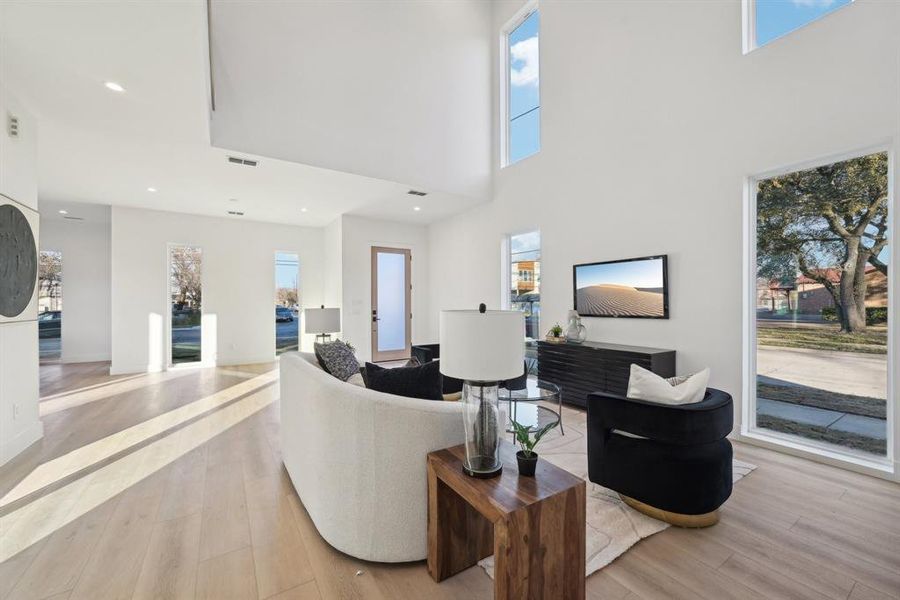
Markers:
(389, 89)
(105, 147)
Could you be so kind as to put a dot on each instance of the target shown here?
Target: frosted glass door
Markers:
(391, 304)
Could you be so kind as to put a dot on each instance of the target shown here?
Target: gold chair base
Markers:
(676, 519)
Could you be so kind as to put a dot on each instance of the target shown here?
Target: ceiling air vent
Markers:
(236, 213)
(242, 161)
(416, 193)
(12, 125)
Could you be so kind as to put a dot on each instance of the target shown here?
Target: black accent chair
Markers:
(678, 470)
(425, 353)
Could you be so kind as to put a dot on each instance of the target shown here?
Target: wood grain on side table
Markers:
(534, 526)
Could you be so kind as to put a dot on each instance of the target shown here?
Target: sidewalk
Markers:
(829, 419)
(843, 372)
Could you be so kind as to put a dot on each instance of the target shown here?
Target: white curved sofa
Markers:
(357, 459)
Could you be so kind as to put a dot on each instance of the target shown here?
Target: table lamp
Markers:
(322, 321)
(482, 347)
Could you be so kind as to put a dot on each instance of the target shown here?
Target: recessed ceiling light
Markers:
(417, 208)
(302, 210)
(151, 189)
(112, 85)
(63, 212)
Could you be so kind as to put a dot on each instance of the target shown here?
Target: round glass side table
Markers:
(524, 404)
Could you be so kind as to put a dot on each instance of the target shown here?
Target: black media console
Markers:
(580, 369)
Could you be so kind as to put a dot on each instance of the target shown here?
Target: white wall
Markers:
(86, 286)
(652, 118)
(238, 278)
(359, 236)
(333, 264)
(20, 424)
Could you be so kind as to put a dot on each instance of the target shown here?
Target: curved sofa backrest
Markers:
(357, 459)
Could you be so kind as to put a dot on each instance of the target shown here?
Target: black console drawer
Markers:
(580, 369)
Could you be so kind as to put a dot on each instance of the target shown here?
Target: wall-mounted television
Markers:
(632, 287)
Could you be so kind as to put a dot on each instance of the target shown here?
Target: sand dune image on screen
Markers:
(629, 289)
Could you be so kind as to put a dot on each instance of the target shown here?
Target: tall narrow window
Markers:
(287, 302)
(767, 20)
(525, 286)
(821, 305)
(185, 293)
(50, 305)
(523, 98)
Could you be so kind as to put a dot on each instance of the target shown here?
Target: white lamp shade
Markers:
(322, 320)
(488, 346)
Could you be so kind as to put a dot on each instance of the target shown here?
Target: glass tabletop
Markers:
(524, 404)
(535, 390)
(533, 416)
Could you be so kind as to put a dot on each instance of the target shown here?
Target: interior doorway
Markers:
(391, 304)
(50, 306)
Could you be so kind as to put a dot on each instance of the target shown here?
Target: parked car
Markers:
(50, 324)
(283, 313)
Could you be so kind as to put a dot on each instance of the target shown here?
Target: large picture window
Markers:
(821, 332)
(522, 112)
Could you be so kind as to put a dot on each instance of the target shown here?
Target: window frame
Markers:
(506, 270)
(885, 467)
(520, 17)
(748, 16)
(206, 352)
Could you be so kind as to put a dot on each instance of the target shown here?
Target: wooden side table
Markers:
(534, 526)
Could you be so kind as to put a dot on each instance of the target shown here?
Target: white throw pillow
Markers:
(646, 385)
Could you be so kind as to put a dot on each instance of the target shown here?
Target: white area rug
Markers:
(612, 526)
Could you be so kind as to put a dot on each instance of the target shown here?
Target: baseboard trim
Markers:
(115, 369)
(85, 358)
(10, 449)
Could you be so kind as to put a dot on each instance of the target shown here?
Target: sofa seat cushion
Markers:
(412, 382)
(338, 359)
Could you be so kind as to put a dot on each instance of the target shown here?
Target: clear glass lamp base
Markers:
(482, 467)
(481, 420)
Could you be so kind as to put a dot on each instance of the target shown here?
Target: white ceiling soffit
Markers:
(396, 90)
(103, 147)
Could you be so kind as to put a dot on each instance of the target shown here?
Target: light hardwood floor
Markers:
(171, 486)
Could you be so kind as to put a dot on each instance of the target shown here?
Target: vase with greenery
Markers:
(528, 438)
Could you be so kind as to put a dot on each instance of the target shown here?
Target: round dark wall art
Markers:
(18, 261)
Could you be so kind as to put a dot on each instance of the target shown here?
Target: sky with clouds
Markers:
(524, 89)
(774, 18)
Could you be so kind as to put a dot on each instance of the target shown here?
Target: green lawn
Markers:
(812, 432)
(808, 396)
(824, 336)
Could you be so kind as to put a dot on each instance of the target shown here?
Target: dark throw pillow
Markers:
(338, 359)
(413, 382)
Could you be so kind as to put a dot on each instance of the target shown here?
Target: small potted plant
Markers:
(555, 335)
(527, 440)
